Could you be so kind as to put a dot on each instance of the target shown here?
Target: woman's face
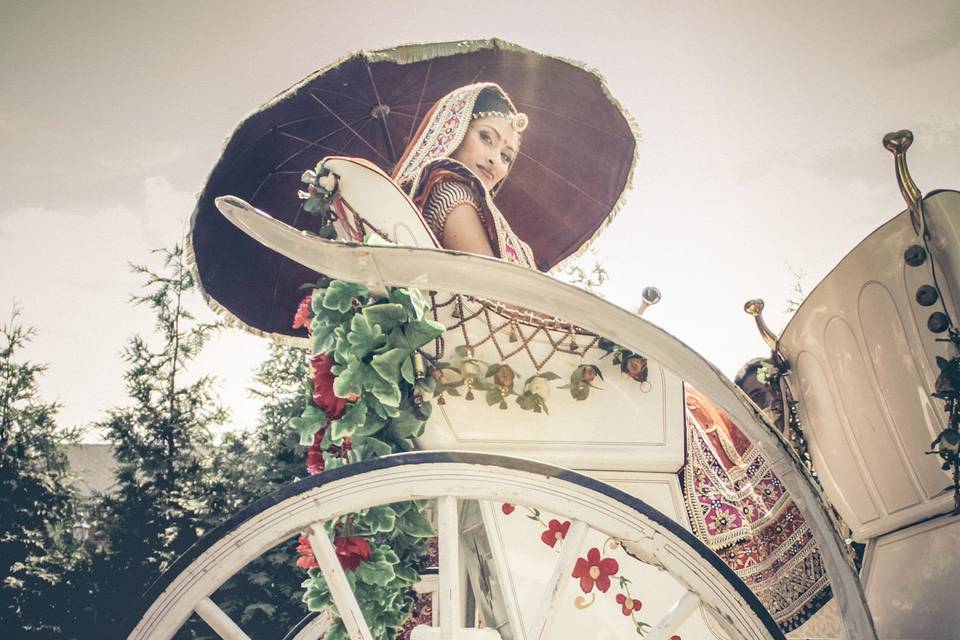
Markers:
(488, 149)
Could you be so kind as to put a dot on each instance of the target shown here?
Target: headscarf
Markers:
(427, 161)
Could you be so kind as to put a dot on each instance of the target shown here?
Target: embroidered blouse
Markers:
(443, 198)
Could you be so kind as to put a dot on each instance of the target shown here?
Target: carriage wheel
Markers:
(452, 479)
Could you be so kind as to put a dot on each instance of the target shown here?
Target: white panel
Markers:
(910, 578)
(908, 404)
(838, 463)
(865, 419)
(863, 324)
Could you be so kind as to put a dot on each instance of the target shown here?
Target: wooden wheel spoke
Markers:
(219, 621)
(676, 616)
(559, 579)
(336, 579)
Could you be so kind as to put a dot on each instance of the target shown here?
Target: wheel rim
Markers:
(644, 532)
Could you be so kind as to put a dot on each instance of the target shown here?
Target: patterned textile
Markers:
(739, 508)
(426, 162)
(443, 198)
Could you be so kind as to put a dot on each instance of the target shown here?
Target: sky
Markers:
(760, 156)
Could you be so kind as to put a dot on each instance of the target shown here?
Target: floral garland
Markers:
(497, 381)
(947, 443)
(364, 401)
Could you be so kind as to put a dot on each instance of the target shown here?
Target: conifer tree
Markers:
(161, 442)
(266, 597)
(36, 501)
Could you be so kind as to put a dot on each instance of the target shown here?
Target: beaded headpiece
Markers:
(444, 127)
(518, 121)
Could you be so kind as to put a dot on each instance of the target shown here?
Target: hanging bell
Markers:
(513, 333)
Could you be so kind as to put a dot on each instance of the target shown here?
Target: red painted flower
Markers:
(315, 454)
(351, 551)
(323, 395)
(556, 531)
(302, 317)
(628, 605)
(507, 508)
(594, 570)
(306, 560)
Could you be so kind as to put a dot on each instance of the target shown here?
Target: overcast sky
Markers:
(760, 157)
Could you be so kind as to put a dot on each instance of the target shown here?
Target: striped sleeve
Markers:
(443, 198)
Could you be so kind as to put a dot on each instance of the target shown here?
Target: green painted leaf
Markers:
(363, 336)
(352, 379)
(407, 425)
(353, 418)
(377, 448)
(340, 295)
(407, 372)
(549, 375)
(408, 575)
(388, 393)
(412, 300)
(377, 519)
(387, 316)
(378, 573)
(387, 364)
(415, 524)
(420, 332)
(396, 340)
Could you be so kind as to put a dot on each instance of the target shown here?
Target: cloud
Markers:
(69, 270)
(928, 45)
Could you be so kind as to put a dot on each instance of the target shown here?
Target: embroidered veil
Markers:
(426, 162)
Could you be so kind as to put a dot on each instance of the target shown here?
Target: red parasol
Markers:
(574, 166)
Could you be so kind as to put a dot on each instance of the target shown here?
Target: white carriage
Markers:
(605, 467)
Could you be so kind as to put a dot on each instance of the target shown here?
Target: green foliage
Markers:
(162, 442)
(372, 342)
(37, 505)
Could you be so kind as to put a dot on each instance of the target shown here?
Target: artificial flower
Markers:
(302, 317)
(507, 508)
(315, 454)
(323, 395)
(306, 560)
(351, 551)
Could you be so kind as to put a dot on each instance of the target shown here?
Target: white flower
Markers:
(538, 386)
(328, 182)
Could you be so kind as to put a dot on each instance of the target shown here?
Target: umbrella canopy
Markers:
(574, 164)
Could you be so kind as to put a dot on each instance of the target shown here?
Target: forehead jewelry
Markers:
(518, 121)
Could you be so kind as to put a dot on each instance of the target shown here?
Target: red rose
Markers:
(507, 508)
(351, 551)
(323, 395)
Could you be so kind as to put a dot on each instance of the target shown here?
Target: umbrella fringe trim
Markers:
(407, 54)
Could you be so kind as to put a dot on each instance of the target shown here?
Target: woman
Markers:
(455, 165)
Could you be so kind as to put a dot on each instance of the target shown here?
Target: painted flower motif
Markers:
(627, 604)
(589, 373)
(351, 551)
(556, 531)
(595, 571)
(306, 560)
(507, 508)
(302, 317)
(323, 395)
